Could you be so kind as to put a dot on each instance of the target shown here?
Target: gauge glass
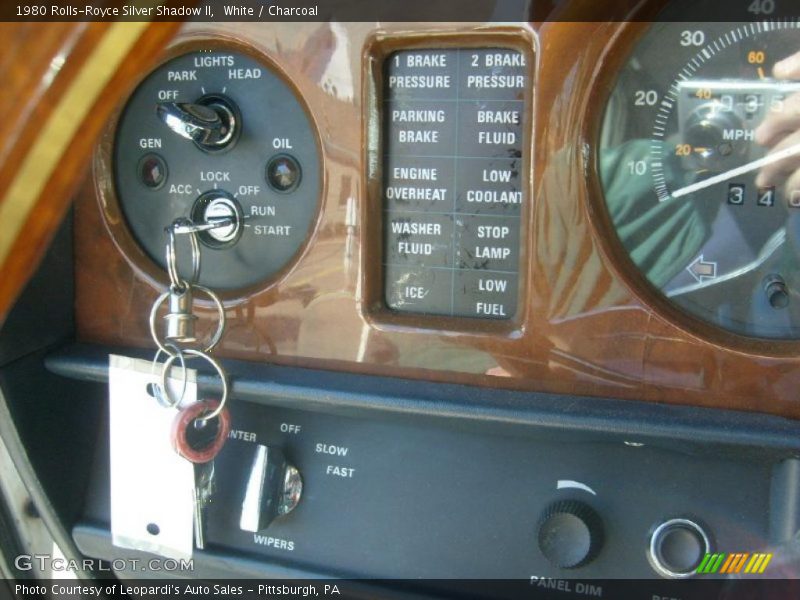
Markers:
(699, 160)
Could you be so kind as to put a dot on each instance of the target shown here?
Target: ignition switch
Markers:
(218, 208)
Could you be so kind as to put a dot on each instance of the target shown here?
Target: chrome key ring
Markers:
(214, 363)
(176, 282)
(162, 393)
(163, 346)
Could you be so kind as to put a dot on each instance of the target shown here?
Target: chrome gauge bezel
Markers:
(613, 56)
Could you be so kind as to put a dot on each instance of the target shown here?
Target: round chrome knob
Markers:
(677, 548)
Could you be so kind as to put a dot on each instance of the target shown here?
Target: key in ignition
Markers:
(223, 214)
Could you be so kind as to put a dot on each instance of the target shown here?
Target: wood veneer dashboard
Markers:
(587, 324)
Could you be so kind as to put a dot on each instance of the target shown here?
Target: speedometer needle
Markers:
(746, 168)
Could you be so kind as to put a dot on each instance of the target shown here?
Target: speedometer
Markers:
(699, 160)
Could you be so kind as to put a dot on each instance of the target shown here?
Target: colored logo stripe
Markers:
(734, 563)
(728, 563)
(758, 563)
(711, 563)
(722, 562)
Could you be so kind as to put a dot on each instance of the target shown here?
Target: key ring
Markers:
(161, 395)
(184, 226)
(172, 255)
(162, 346)
(220, 371)
(190, 417)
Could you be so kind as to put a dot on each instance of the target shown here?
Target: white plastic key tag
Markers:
(152, 487)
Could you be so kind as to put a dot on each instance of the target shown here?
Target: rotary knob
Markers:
(570, 534)
(212, 122)
(273, 489)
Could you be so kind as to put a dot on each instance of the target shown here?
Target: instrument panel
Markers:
(473, 203)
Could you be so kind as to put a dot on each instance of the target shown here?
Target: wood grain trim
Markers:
(44, 163)
(61, 127)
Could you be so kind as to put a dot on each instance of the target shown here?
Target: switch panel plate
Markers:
(273, 224)
(396, 497)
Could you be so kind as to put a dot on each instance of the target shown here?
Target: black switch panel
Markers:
(392, 497)
(454, 185)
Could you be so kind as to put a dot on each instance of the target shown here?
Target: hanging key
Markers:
(199, 430)
(198, 434)
(204, 489)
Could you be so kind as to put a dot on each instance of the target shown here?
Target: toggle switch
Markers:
(274, 488)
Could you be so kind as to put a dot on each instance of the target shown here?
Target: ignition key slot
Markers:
(215, 206)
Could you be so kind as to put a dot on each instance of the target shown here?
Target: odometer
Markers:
(700, 165)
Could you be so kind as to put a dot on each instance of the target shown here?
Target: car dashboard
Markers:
(493, 300)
